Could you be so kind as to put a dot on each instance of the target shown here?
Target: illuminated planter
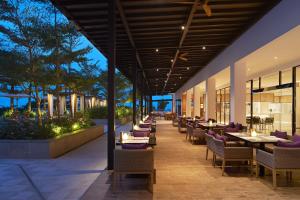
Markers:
(50, 148)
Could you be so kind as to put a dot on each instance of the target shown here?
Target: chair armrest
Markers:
(265, 158)
(238, 153)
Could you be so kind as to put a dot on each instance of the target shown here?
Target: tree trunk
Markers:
(38, 106)
(12, 91)
(29, 98)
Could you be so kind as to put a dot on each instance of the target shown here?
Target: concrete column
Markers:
(210, 111)
(62, 104)
(82, 103)
(238, 93)
(73, 102)
(93, 101)
(50, 104)
(197, 93)
(189, 102)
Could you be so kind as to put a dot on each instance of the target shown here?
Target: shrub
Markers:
(97, 113)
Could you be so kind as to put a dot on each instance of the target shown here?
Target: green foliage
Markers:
(162, 105)
(23, 127)
(97, 112)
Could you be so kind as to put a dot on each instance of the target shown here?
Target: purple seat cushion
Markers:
(296, 138)
(134, 146)
(228, 129)
(231, 125)
(137, 133)
(145, 125)
(289, 144)
(221, 137)
(279, 134)
(239, 126)
(212, 133)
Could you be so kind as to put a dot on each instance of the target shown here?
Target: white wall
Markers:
(282, 18)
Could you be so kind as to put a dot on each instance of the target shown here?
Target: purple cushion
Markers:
(296, 138)
(134, 146)
(239, 126)
(289, 144)
(137, 133)
(231, 125)
(145, 125)
(221, 137)
(212, 133)
(279, 134)
(231, 129)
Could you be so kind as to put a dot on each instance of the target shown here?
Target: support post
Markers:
(111, 84)
(150, 104)
(141, 106)
(134, 77)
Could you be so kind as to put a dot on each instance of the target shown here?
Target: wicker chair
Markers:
(282, 159)
(137, 161)
(209, 145)
(232, 153)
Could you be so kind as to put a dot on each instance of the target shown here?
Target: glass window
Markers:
(286, 76)
(270, 80)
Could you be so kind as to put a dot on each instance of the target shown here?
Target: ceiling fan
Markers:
(203, 4)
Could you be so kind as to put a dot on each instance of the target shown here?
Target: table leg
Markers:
(262, 168)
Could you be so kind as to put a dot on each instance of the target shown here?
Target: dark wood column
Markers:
(111, 84)
(134, 81)
(141, 105)
(150, 104)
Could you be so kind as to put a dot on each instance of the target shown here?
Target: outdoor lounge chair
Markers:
(231, 153)
(134, 161)
(282, 159)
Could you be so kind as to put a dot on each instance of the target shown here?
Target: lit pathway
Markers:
(183, 173)
(66, 177)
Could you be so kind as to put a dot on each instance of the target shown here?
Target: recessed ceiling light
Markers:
(165, 81)
(248, 69)
(182, 27)
(204, 47)
(156, 50)
(187, 68)
(172, 60)
(275, 57)
(180, 77)
(157, 69)
(175, 84)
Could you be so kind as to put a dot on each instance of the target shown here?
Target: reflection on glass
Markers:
(223, 105)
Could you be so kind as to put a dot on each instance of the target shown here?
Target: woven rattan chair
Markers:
(232, 153)
(134, 161)
(282, 159)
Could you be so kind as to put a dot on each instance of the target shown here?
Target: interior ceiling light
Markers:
(180, 77)
(175, 84)
(188, 68)
(182, 27)
(156, 50)
(275, 57)
(157, 69)
(204, 47)
(172, 60)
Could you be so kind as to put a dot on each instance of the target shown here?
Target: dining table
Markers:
(258, 140)
(210, 126)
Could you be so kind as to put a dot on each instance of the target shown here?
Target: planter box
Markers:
(50, 148)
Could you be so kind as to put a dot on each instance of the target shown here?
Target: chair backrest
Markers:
(286, 157)
(219, 147)
(269, 120)
(137, 160)
(209, 141)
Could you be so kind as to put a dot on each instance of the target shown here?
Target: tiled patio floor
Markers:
(183, 173)
(64, 178)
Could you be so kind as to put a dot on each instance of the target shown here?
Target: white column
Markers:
(189, 102)
(73, 101)
(197, 93)
(81, 103)
(238, 93)
(93, 102)
(210, 111)
(50, 104)
(173, 103)
(62, 104)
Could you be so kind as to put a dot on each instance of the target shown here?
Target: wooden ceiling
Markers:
(145, 26)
